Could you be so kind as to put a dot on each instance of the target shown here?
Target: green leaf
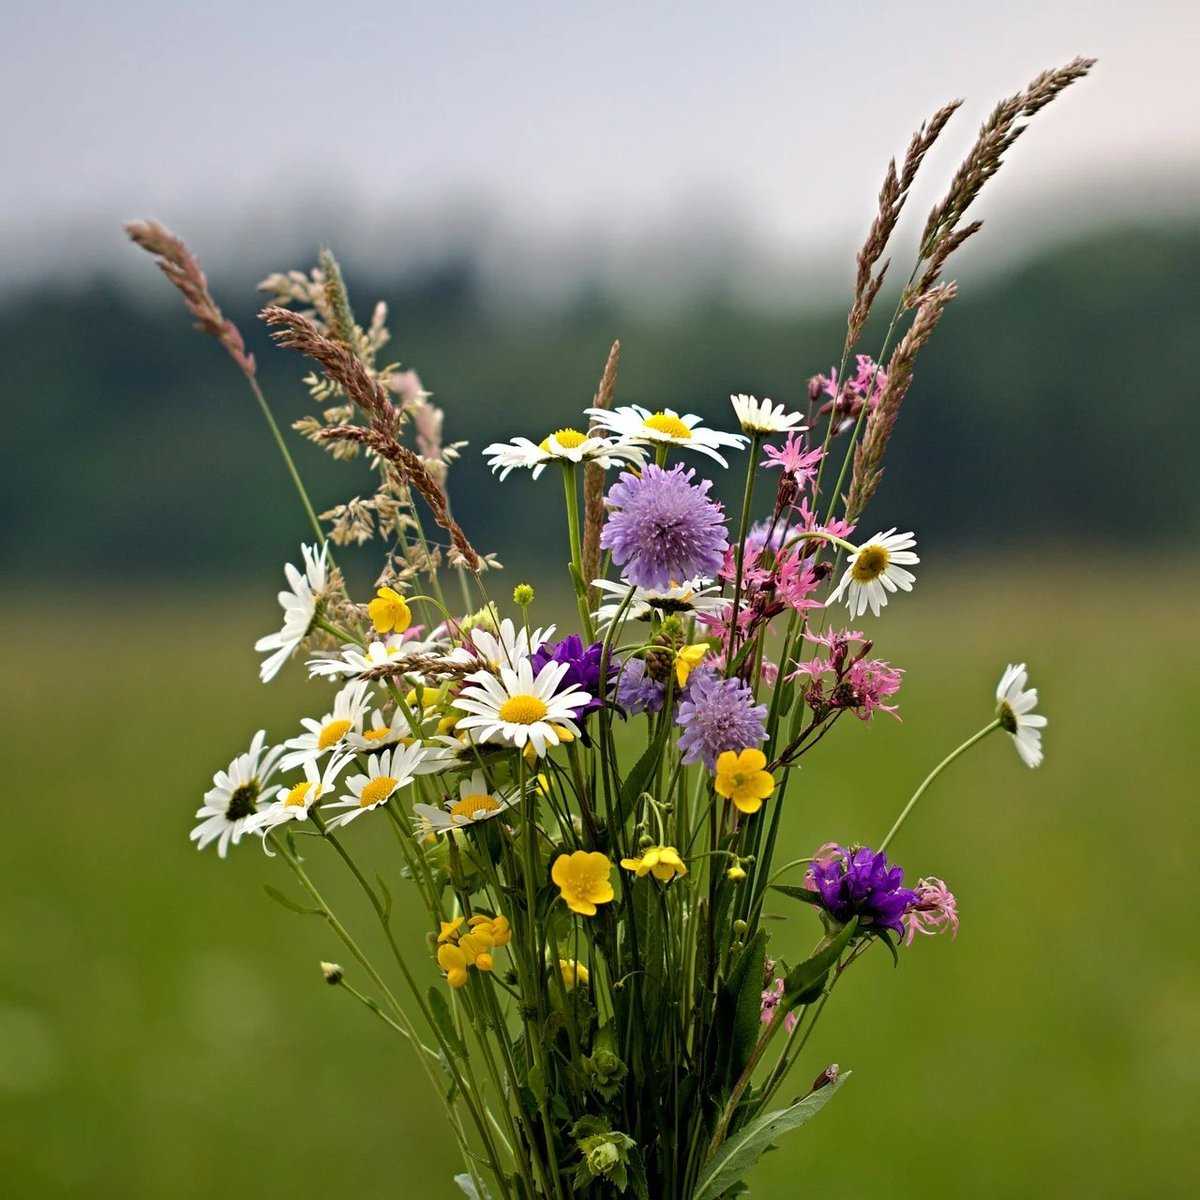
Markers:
(797, 893)
(739, 1009)
(741, 1151)
(466, 1185)
(445, 1022)
(637, 781)
(803, 980)
(290, 904)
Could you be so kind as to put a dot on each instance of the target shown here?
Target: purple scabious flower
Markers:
(718, 715)
(859, 883)
(636, 691)
(583, 667)
(663, 528)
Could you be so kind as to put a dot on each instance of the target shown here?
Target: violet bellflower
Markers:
(583, 667)
(859, 883)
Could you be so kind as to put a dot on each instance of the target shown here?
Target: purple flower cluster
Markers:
(636, 691)
(718, 715)
(859, 883)
(583, 667)
(662, 528)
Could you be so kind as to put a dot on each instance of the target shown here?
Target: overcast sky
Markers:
(562, 132)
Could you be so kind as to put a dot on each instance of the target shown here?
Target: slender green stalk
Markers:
(976, 737)
(571, 496)
(740, 549)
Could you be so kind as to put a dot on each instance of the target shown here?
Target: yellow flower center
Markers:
(332, 732)
(568, 439)
(379, 788)
(669, 424)
(297, 795)
(469, 806)
(869, 563)
(377, 735)
(522, 710)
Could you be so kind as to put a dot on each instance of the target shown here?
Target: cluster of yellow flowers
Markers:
(458, 951)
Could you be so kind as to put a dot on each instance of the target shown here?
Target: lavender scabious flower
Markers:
(718, 715)
(636, 691)
(859, 883)
(583, 667)
(662, 528)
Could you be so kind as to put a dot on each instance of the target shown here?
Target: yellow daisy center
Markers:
(297, 795)
(869, 563)
(468, 806)
(377, 735)
(379, 788)
(522, 710)
(669, 424)
(332, 732)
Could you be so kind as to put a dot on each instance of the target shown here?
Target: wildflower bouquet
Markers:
(589, 819)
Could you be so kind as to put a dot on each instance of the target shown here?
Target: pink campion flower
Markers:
(833, 638)
(771, 997)
(769, 671)
(934, 910)
(812, 668)
(794, 459)
(873, 680)
(847, 400)
(809, 522)
(796, 581)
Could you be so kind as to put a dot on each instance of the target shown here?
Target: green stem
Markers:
(570, 494)
(740, 553)
(977, 737)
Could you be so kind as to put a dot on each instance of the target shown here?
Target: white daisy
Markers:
(354, 660)
(321, 736)
(386, 774)
(695, 596)
(299, 610)
(294, 803)
(233, 801)
(508, 645)
(476, 802)
(1014, 710)
(633, 423)
(563, 445)
(876, 568)
(517, 709)
(382, 733)
(761, 416)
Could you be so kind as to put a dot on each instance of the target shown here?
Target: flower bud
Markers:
(523, 595)
(332, 973)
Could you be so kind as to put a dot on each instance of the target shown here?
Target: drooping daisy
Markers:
(876, 568)
(232, 802)
(763, 417)
(321, 736)
(563, 445)
(387, 773)
(518, 708)
(662, 527)
(299, 611)
(354, 660)
(633, 423)
(697, 595)
(294, 803)
(476, 802)
(1014, 711)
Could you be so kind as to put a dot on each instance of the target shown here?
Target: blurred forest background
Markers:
(522, 184)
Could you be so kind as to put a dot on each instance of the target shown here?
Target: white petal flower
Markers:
(321, 736)
(563, 445)
(761, 416)
(508, 645)
(354, 660)
(633, 423)
(387, 773)
(695, 596)
(299, 610)
(476, 802)
(295, 803)
(232, 803)
(517, 708)
(876, 568)
(1014, 710)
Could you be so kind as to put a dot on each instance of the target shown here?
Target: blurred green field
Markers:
(164, 1031)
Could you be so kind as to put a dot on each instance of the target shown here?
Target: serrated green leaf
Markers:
(797, 893)
(291, 905)
(742, 1150)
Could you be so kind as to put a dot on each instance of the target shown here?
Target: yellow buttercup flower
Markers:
(663, 862)
(389, 611)
(687, 659)
(583, 880)
(742, 779)
(573, 972)
(454, 962)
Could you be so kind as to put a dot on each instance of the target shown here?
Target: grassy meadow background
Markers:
(164, 1031)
